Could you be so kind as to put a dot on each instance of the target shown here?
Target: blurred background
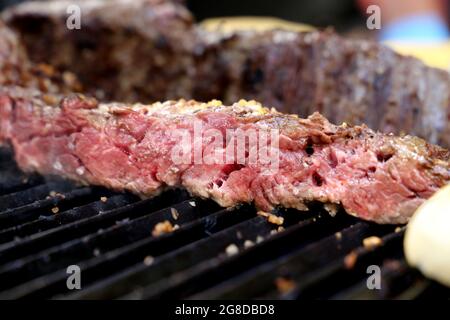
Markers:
(401, 19)
(411, 20)
(417, 27)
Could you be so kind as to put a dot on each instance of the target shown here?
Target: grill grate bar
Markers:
(111, 239)
(41, 241)
(37, 243)
(6, 155)
(102, 240)
(430, 290)
(14, 181)
(218, 268)
(18, 199)
(33, 218)
(183, 257)
(396, 278)
(262, 279)
(121, 234)
(337, 275)
(110, 262)
(11, 178)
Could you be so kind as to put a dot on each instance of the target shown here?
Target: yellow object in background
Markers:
(233, 24)
(435, 55)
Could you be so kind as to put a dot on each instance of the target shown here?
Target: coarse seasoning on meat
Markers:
(377, 177)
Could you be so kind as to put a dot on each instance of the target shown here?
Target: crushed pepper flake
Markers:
(162, 228)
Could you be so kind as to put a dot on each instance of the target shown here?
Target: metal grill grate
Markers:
(109, 236)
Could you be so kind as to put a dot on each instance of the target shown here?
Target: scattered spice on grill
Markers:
(331, 208)
(176, 227)
(280, 229)
(338, 235)
(231, 250)
(248, 243)
(350, 260)
(372, 242)
(174, 213)
(263, 214)
(162, 228)
(271, 217)
(54, 194)
(398, 229)
(259, 239)
(192, 203)
(239, 235)
(103, 199)
(55, 210)
(96, 252)
(273, 231)
(276, 219)
(392, 264)
(284, 285)
(148, 260)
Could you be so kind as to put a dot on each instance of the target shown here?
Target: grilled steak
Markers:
(377, 177)
(150, 50)
(11, 56)
(16, 69)
(137, 50)
(346, 80)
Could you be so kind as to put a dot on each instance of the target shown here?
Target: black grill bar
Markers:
(48, 224)
(394, 282)
(21, 221)
(203, 228)
(120, 234)
(102, 241)
(260, 280)
(337, 276)
(115, 260)
(15, 200)
(183, 257)
(220, 267)
(14, 181)
(11, 178)
(428, 290)
(35, 243)
(85, 226)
